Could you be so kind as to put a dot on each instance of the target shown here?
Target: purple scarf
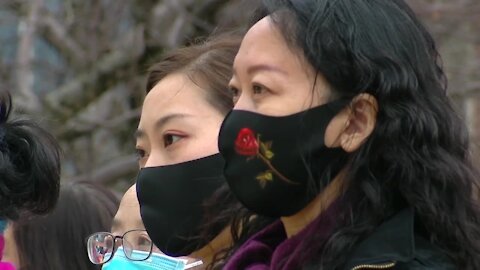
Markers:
(271, 249)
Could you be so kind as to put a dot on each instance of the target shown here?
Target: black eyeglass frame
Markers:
(115, 237)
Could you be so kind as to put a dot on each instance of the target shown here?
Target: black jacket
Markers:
(396, 245)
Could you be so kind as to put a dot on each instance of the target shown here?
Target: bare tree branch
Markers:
(24, 75)
(192, 18)
(81, 91)
(78, 127)
(112, 171)
(98, 58)
(167, 28)
(471, 89)
(58, 36)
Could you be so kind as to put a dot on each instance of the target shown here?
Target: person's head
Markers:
(187, 99)
(186, 102)
(128, 241)
(57, 240)
(181, 189)
(29, 165)
(406, 146)
(128, 214)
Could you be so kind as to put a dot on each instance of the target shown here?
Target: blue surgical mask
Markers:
(154, 262)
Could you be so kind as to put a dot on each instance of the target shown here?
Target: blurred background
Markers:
(78, 67)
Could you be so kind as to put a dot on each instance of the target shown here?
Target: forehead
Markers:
(128, 214)
(176, 87)
(264, 44)
(175, 94)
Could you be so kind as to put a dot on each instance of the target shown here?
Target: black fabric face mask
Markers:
(171, 202)
(275, 166)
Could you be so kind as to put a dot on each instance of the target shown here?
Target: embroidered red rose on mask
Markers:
(249, 144)
(246, 143)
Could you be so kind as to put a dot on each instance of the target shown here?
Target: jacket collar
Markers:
(392, 241)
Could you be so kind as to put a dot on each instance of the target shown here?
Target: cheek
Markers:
(309, 93)
(293, 99)
(205, 143)
(156, 157)
(156, 250)
(283, 105)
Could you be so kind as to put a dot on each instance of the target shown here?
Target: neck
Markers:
(207, 253)
(297, 222)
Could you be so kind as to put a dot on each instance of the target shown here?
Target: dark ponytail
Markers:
(29, 165)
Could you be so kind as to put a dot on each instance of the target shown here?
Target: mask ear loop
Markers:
(194, 264)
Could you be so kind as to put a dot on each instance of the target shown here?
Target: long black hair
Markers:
(418, 155)
(29, 164)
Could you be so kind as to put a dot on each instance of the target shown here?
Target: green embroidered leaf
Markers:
(269, 154)
(265, 149)
(265, 177)
(262, 148)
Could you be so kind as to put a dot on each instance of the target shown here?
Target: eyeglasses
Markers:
(102, 245)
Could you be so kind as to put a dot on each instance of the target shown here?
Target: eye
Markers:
(143, 241)
(140, 153)
(142, 156)
(169, 139)
(258, 89)
(235, 93)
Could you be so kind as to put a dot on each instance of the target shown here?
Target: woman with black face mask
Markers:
(185, 203)
(343, 131)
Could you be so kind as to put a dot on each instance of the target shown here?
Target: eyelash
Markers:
(140, 153)
(257, 89)
(168, 139)
(234, 91)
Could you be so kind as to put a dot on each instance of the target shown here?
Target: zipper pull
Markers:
(375, 266)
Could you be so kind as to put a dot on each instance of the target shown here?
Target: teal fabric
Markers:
(154, 262)
(3, 225)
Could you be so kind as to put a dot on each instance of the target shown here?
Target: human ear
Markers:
(352, 126)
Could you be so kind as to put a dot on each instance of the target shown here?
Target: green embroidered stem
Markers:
(277, 173)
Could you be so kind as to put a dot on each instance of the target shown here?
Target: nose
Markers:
(118, 243)
(244, 102)
(154, 160)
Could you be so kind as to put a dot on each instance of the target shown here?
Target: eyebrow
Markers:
(117, 225)
(162, 122)
(264, 67)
